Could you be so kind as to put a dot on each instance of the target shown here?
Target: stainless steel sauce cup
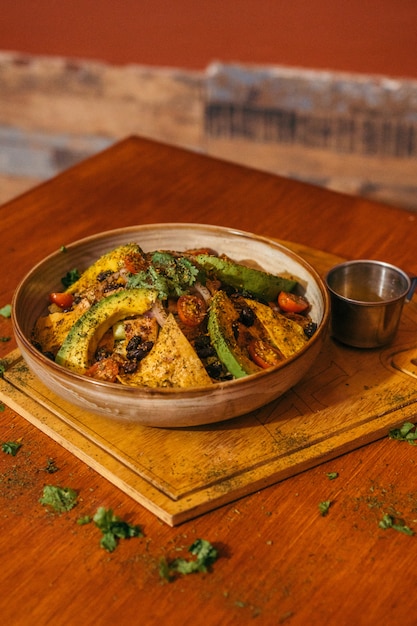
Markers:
(367, 298)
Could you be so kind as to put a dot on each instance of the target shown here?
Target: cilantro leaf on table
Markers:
(113, 528)
(406, 432)
(59, 498)
(11, 447)
(389, 521)
(324, 507)
(205, 555)
(332, 475)
(6, 310)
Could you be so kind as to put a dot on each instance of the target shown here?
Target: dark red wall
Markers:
(370, 36)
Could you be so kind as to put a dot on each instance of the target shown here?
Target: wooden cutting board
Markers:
(349, 398)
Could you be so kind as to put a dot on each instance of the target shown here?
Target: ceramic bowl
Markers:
(168, 407)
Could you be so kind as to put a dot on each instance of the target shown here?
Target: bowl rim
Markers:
(170, 392)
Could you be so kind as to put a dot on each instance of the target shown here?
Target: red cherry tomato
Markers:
(134, 263)
(263, 354)
(106, 369)
(191, 310)
(63, 300)
(292, 303)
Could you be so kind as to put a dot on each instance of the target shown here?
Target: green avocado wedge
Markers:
(82, 340)
(261, 284)
(222, 314)
(112, 262)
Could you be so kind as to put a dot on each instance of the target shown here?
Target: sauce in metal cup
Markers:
(367, 298)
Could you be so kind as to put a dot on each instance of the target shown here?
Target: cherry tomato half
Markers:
(134, 263)
(292, 303)
(263, 354)
(63, 300)
(106, 369)
(191, 310)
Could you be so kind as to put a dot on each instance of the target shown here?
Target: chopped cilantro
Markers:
(5, 339)
(70, 278)
(332, 475)
(50, 467)
(388, 521)
(113, 528)
(59, 498)
(11, 447)
(324, 507)
(407, 432)
(6, 311)
(2, 407)
(63, 248)
(86, 519)
(205, 555)
(169, 275)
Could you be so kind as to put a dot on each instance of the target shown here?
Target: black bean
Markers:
(310, 329)
(205, 351)
(130, 367)
(247, 316)
(103, 275)
(140, 351)
(214, 370)
(202, 341)
(133, 343)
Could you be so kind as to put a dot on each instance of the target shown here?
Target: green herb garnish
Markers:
(11, 447)
(70, 278)
(205, 555)
(324, 507)
(169, 275)
(59, 498)
(407, 432)
(5, 339)
(389, 521)
(113, 528)
(6, 310)
(332, 475)
(50, 466)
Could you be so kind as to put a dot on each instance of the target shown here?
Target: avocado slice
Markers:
(82, 340)
(261, 284)
(110, 262)
(222, 314)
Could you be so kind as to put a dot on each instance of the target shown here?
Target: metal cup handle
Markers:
(413, 287)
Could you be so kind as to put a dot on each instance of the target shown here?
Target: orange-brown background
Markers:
(366, 36)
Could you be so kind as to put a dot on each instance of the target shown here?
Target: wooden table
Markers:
(280, 561)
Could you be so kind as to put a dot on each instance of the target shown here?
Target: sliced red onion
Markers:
(159, 313)
(203, 291)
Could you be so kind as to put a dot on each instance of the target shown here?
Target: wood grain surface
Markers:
(355, 37)
(280, 561)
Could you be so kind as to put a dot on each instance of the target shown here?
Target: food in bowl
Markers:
(167, 406)
(172, 319)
